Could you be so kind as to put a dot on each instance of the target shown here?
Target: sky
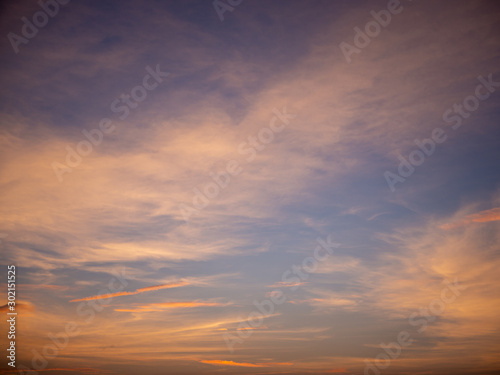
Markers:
(250, 187)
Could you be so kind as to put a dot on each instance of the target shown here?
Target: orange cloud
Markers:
(247, 328)
(42, 286)
(137, 310)
(244, 364)
(20, 305)
(230, 363)
(479, 217)
(338, 371)
(170, 305)
(137, 291)
(485, 216)
(187, 304)
(156, 287)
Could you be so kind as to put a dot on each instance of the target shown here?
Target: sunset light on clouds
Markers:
(140, 290)
(250, 187)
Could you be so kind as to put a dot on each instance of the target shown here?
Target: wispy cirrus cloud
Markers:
(484, 216)
(285, 284)
(245, 364)
(137, 291)
(229, 363)
(170, 305)
(45, 286)
(120, 206)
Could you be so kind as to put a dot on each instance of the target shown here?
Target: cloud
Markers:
(230, 363)
(23, 306)
(141, 290)
(478, 217)
(332, 301)
(170, 305)
(120, 206)
(409, 273)
(45, 286)
(285, 284)
(243, 364)
(338, 371)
